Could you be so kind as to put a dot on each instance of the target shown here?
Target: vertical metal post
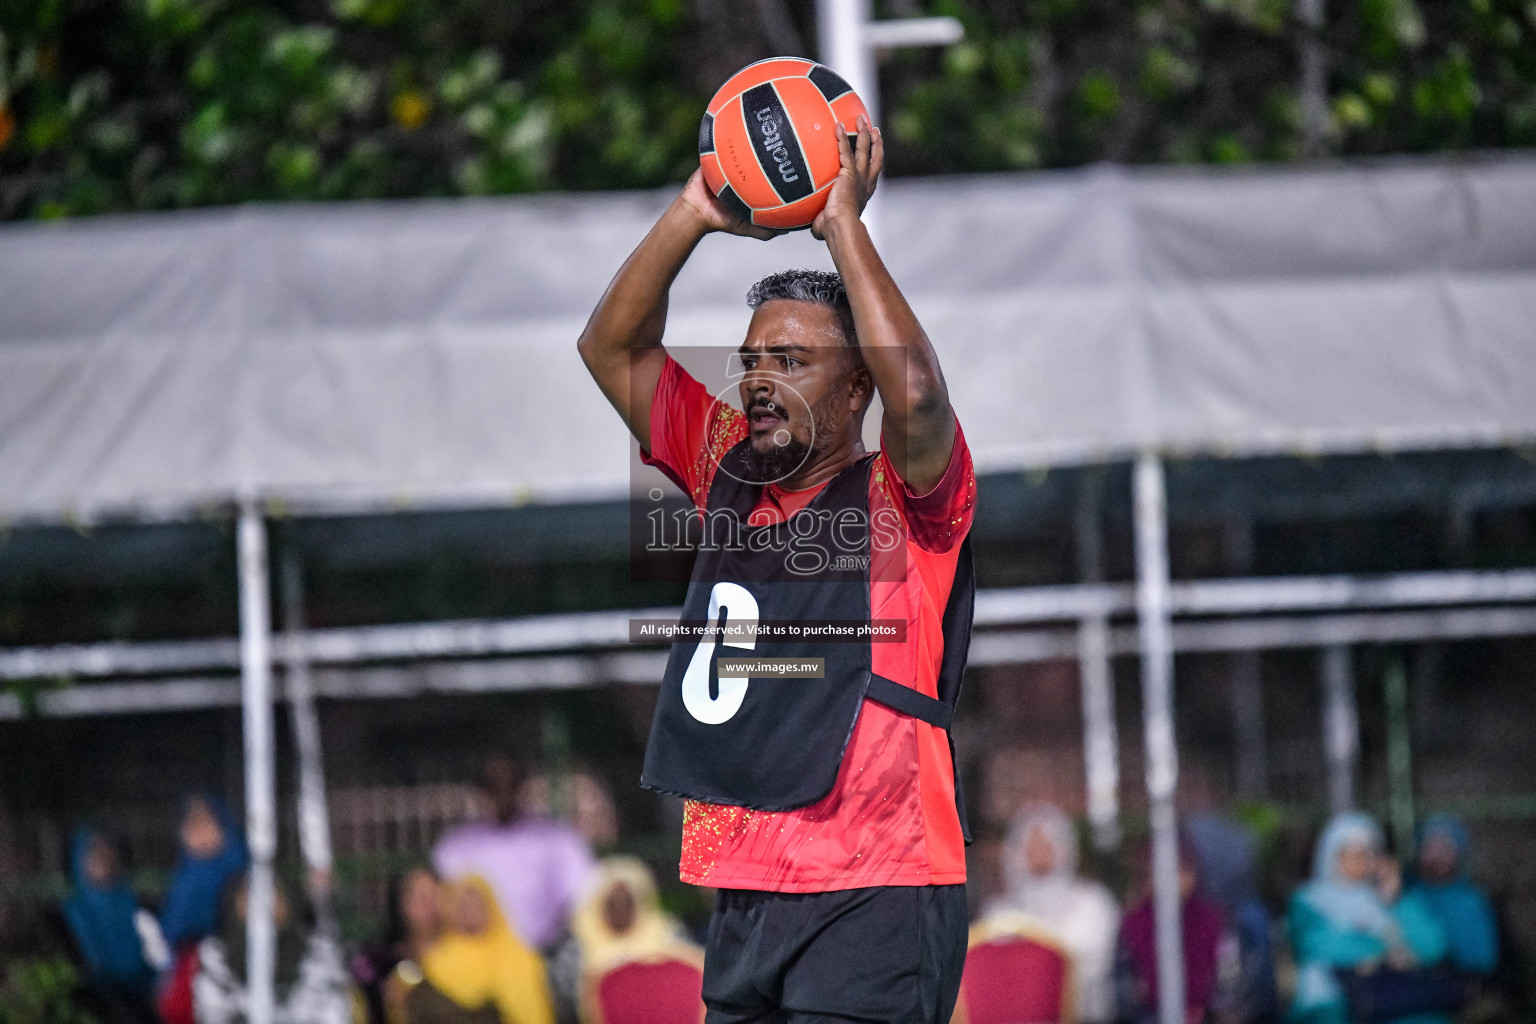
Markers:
(260, 802)
(1401, 808)
(848, 39)
(1155, 631)
(1248, 726)
(1341, 727)
(1101, 744)
(842, 26)
(1247, 684)
(1314, 78)
(314, 816)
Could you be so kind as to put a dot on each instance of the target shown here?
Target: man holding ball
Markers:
(824, 808)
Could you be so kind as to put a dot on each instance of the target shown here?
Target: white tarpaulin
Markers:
(371, 355)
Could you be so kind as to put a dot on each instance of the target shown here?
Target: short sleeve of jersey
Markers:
(939, 519)
(690, 431)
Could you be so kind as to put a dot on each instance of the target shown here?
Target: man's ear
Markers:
(861, 387)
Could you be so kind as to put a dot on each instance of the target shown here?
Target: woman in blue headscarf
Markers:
(102, 913)
(1349, 916)
(212, 852)
(1457, 905)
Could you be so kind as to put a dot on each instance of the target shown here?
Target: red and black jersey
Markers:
(890, 817)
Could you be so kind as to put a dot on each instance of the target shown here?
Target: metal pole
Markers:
(1399, 756)
(260, 803)
(1101, 744)
(1247, 683)
(1248, 726)
(1341, 727)
(314, 816)
(841, 26)
(1155, 632)
(1314, 78)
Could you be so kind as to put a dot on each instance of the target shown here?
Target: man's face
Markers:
(801, 387)
(501, 781)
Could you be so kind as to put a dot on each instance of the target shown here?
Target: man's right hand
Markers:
(714, 215)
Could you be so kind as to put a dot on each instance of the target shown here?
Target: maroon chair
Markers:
(1015, 973)
(661, 990)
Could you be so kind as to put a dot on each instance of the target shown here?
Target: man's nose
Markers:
(760, 385)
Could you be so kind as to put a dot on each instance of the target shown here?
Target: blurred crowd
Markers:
(515, 921)
(1357, 942)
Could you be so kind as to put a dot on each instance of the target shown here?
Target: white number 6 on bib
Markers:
(740, 608)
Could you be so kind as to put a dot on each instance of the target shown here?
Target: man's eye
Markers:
(790, 361)
(748, 362)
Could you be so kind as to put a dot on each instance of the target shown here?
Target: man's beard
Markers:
(777, 462)
(784, 460)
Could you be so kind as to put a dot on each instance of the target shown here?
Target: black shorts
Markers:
(889, 953)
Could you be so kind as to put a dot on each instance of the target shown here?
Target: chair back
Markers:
(1015, 975)
(664, 990)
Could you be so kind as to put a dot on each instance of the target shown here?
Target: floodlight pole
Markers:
(849, 38)
(314, 816)
(260, 802)
(1341, 727)
(1155, 633)
(1101, 744)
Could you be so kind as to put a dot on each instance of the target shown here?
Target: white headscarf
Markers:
(1050, 896)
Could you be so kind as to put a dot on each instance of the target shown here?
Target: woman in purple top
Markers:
(538, 867)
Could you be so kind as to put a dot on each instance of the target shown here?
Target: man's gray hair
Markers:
(819, 286)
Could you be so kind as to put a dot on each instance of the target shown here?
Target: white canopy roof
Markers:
(366, 356)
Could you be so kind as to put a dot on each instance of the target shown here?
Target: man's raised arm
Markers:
(621, 343)
(919, 425)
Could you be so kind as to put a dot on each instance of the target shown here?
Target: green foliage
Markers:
(42, 992)
(150, 104)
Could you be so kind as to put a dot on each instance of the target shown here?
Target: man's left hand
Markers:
(863, 157)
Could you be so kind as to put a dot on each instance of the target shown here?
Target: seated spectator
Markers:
(1350, 916)
(1459, 907)
(1203, 932)
(622, 920)
(634, 959)
(1040, 868)
(1228, 867)
(310, 983)
(105, 922)
(388, 972)
(212, 853)
(537, 867)
(480, 962)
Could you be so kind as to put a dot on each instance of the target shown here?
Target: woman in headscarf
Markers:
(212, 852)
(310, 983)
(1040, 867)
(1350, 916)
(1460, 907)
(481, 961)
(1203, 929)
(105, 920)
(1227, 856)
(389, 971)
(622, 920)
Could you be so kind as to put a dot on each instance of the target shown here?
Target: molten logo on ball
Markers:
(772, 144)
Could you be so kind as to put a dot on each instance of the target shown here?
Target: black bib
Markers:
(772, 743)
